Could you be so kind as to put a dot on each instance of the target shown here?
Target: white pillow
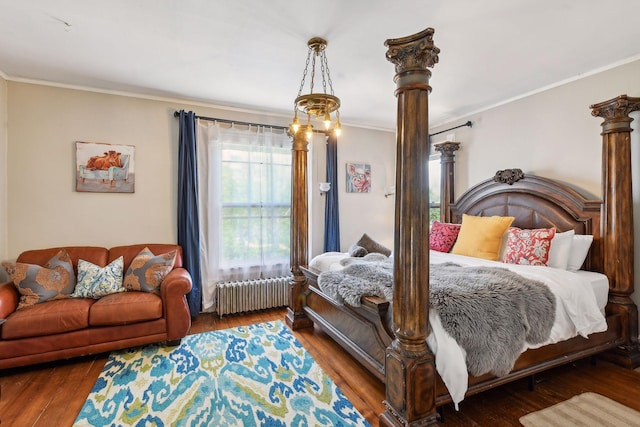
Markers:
(561, 249)
(579, 249)
(324, 261)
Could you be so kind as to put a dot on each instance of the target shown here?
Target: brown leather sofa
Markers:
(64, 328)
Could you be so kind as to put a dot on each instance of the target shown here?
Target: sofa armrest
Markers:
(9, 299)
(172, 291)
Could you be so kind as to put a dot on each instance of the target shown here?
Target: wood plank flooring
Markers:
(52, 394)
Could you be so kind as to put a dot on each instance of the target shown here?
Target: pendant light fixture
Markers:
(320, 105)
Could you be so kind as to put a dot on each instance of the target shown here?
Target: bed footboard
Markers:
(362, 331)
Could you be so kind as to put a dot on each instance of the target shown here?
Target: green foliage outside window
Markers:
(434, 189)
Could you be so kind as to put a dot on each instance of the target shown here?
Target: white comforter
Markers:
(577, 313)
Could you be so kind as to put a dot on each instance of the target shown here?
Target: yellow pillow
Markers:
(481, 236)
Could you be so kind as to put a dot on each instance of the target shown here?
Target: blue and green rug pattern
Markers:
(258, 375)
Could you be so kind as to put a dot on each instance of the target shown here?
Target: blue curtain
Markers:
(188, 224)
(331, 210)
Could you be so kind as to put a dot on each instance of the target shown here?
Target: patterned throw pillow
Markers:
(36, 284)
(95, 281)
(529, 247)
(147, 271)
(443, 235)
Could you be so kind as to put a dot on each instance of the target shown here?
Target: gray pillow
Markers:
(357, 251)
(372, 246)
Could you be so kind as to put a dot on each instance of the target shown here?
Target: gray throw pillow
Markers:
(357, 251)
(372, 246)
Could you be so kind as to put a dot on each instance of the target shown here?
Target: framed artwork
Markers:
(104, 168)
(358, 178)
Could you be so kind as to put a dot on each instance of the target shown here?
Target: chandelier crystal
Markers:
(320, 105)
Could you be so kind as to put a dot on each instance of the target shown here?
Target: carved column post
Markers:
(409, 365)
(447, 185)
(617, 218)
(296, 318)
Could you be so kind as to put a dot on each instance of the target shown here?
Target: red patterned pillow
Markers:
(443, 235)
(528, 247)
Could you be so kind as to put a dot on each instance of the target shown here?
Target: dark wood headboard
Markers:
(536, 202)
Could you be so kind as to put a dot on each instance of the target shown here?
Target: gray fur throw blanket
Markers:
(370, 275)
(491, 312)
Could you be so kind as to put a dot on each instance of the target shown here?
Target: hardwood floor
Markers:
(52, 394)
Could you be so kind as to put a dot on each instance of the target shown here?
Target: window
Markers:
(255, 204)
(244, 196)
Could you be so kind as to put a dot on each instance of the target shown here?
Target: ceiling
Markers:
(250, 54)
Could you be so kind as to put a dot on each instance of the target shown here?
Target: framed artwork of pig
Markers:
(358, 178)
(104, 168)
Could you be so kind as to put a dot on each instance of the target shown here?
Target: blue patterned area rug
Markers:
(258, 375)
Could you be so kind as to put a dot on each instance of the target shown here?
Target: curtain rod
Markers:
(455, 127)
(237, 122)
(286, 128)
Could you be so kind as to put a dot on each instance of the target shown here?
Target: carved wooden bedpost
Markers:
(409, 365)
(617, 219)
(447, 184)
(296, 318)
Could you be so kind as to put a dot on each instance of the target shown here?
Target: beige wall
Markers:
(45, 210)
(551, 134)
(360, 213)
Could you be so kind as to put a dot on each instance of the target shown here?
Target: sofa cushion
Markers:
(51, 317)
(125, 308)
(147, 271)
(37, 284)
(95, 281)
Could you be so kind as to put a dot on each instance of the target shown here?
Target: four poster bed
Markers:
(389, 337)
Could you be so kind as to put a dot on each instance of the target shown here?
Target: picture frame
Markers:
(104, 168)
(358, 177)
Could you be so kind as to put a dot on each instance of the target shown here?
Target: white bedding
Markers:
(328, 261)
(580, 301)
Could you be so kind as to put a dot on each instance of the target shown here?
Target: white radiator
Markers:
(250, 295)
